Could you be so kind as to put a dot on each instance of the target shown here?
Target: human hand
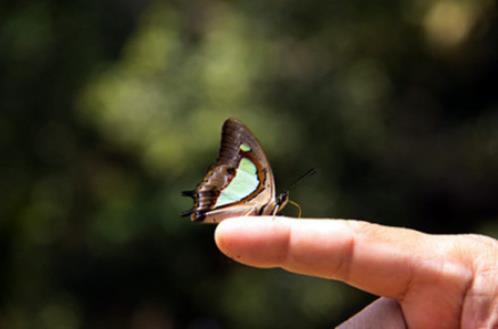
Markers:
(426, 281)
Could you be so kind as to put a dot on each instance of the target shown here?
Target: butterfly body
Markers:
(239, 183)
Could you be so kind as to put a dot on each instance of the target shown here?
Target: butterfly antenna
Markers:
(295, 204)
(310, 172)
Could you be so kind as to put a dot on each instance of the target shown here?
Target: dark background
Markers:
(110, 108)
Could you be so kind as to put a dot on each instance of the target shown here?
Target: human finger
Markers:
(385, 261)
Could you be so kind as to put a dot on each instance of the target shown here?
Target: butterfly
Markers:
(239, 183)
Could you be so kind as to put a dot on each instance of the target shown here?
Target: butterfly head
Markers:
(282, 200)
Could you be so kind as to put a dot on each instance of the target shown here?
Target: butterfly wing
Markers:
(239, 183)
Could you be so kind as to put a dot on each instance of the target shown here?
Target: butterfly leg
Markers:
(274, 213)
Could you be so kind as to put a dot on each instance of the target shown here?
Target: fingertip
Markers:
(229, 231)
(223, 232)
(251, 240)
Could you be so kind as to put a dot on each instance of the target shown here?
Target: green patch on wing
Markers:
(245, 147)
(244, 183)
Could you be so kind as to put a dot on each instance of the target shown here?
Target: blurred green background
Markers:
(110, 108)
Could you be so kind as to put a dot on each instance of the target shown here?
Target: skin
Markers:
(423, 281)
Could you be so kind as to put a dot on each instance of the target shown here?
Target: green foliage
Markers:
(110, 109)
